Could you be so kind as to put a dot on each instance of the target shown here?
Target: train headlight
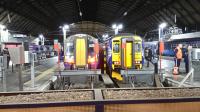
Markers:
(116, 63)
(137, 62)
(70, 59)
(91, 59)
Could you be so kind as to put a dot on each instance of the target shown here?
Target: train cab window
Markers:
(91, 51)
(116, 48)
(70, 48)
(137, 47)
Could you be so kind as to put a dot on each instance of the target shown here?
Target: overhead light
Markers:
(41, 36)
(81, 14)
(65, 27)
(125, 13)
(120, 26)
(72, 24)
(105, 36)
(60, 27)
(114, 26)
(162, 25)
(2, 26)
(117, 27)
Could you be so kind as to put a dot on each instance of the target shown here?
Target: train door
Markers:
(81, 52)
(128, 54)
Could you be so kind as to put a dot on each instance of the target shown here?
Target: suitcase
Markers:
(175, 69)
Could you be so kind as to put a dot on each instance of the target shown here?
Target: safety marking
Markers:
(42, 75)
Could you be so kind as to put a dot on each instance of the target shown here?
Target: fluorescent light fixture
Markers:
(105, 35)
(81, 14)
(120, 26)
(114, 26)
(40, 35)
(162, 25)
(65, 27)
(2, 26)
(125, 13)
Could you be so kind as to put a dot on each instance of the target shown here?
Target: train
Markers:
(124, 51)
(82, 52)
(189, 39)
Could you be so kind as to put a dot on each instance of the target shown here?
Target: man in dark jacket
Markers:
(186, 58)
(148, 55)
(5, 51)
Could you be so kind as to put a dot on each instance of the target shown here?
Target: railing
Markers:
(100, 104)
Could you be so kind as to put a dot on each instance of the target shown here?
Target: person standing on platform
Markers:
(148, 55)
(5, 51)
(186, 58)
(178, 55)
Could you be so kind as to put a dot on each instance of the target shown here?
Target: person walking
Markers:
(178, 56)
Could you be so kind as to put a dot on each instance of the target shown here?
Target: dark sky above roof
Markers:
(42, 16)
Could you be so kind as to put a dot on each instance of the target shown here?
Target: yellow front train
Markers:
(126, 53)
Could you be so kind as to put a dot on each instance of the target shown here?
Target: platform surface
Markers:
(168, 64)
(43, 72)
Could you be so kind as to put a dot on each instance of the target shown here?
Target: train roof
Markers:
(72, 37)
(128, 35)
(194, 35)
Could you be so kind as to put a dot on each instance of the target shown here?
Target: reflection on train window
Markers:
(137, 47)
(116, 48)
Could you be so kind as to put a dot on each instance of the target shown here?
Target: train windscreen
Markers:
(138, 47)
(70, 49)
(91, 50)
(116, 48)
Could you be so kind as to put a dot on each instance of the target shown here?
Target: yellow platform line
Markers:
(42, 75)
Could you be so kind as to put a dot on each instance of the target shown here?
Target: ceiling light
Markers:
(81, 14)
(2, 26)
(125, 13)
(162, 25)
(120, 26)
(114, 26)
(65, 27)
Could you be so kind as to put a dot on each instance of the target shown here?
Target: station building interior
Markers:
(99, 56)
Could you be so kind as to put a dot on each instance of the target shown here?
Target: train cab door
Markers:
(81, 52)
(127, 53)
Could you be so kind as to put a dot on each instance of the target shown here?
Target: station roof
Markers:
(43, 16)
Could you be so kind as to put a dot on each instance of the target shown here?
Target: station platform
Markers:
(167, 64)
(43, 73)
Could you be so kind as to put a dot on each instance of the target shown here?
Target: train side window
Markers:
(137, 47)
(116, 48)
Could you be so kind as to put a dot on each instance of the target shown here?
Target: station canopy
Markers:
(97, 16)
